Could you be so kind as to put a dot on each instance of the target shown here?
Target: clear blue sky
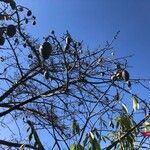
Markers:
(95, 21)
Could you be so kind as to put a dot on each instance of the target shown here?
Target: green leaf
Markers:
(85, 140)
(95, 145)
(94, 142)
(22, 147)
(91, 135)
(124, 108)
(72, 147)
(76, 147)
(147, 126)
(135, 103)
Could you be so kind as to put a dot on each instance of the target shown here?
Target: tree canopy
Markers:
(76, 97)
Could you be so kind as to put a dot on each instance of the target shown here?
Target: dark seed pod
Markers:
(68, 40)
(29, 13)
(46, 75)
(2, 40)
(12, 4)
(7, 1)
(125, 75)
(20, 9)
(79, 44)
(30, 56)
(129, 84)
(34, 23)
(45, 50)
(102, 74)
(52, 32)
(26, 21)
(24, 45)
(11, 30)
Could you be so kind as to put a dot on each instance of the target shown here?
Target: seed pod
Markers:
(102, 74)
(45, 50)
(26, 21)
(125, 75)
(68, 40)
(119, 74)
(52, 32)
(34, 23)
(129, 84)
(113, 77)
(7, 1)
(30, 56)
(2, 40)
(46, 75)
(12, 4)
(29, 13)
(11, 30)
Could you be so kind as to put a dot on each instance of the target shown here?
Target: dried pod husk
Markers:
(46, 75)
(125, 75)
(68, 40)
(11, 30)
(119, 74)
(2, 40)
(113, 77)
(129, 84)
(45, 50)
(12, 4)
(67, 46)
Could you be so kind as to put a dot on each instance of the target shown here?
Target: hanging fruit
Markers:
(113, 77)
(29, 13)
(125, 75)
(45, 50)
(12, 4)
(129, 84)
(11, 30)
(68, 40)
(46, 75)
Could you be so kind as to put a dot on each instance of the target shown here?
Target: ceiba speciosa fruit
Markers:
(45, 50)
(11, 30)
(13, 4)
(68, 40)
(113, 77)
(125, 75)
(2, 40)
(46, 75)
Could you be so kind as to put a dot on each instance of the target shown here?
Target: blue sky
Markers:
(96, 21)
